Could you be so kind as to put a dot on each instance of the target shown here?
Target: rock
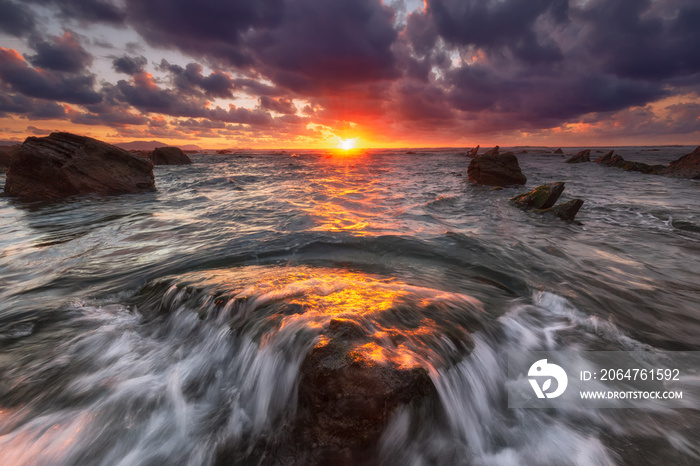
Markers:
(496, 170)
(169, 156)
(410, 152)
(223, 151)
(605, 159)
(65, 164)
(611, 160)
(473, 152)
(687, 166)
(346, 397)
(542, 197)
(566, 211)
(522, 152)
(6, 155)
(493, 151)
(583, 156)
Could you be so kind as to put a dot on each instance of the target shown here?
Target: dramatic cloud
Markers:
(439, 71)
(62, 53)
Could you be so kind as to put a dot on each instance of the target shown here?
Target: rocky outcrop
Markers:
(687, 166)
(542, 200)
(346, 397)
(583, 156)
(542, 197)
(65, 164)
(612, 160)
(493, 151)
(566, 211)
(6, 156)
(494, 169)
(169, 156)
(559, 151)
(472, 153)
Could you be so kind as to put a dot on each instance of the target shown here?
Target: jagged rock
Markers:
(493, 151)
(6, 155)
(558, 151)
(614, 160)
(566, 211)
(583, 156)
(473, 152)
(169, 156)
(496, 170)
(346, 397)
(65, 164)
(605, 159)
(687, 166)
(542, 197)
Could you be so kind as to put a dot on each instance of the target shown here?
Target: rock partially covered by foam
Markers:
(349, 390)
(65, 164)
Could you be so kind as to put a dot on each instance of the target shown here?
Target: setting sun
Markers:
(347, 144)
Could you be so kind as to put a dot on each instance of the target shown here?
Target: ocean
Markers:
(171, 327)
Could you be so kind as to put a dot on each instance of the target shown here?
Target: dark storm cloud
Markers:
(281, 105)
(16, 19)
(85, 11)
(33, 109)
(191, 80)
(129, 65)
(60, 53)
(62, 87)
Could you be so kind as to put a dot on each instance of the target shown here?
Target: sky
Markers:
(368, 73)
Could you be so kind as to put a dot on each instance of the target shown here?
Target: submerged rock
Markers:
(65, 164)
(583, 156)
(496, 170)
(169, 156)
(542, 197)
(566, 211)
(347, 396)
(687, 166)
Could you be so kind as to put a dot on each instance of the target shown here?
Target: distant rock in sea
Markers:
(559, 151)
(494, 169)
(687, 166)
(65, 164)
(612, 160)
(169, 156)
(472, 153)
(583, 156)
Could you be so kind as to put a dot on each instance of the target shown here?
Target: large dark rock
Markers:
(687, 166)
(169, 156)
(64, 164)
(496, 170)
(6, 156)
(583, 156)
(566, 211)
(542, 197)
(347, 396)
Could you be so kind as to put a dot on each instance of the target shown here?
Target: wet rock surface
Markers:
(169, 156)
(581, 157)
(494, 169)
(542, 197)
(65, 164)
(687, 166)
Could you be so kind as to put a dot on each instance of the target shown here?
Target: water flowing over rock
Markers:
(566, 211)
(583, 156)
(687, 166)
(65, 164)
(472, 153)
(169, 156)
(542, 197)
(496, 170)
(346, 397)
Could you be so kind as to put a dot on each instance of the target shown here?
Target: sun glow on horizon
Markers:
(347, 144)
